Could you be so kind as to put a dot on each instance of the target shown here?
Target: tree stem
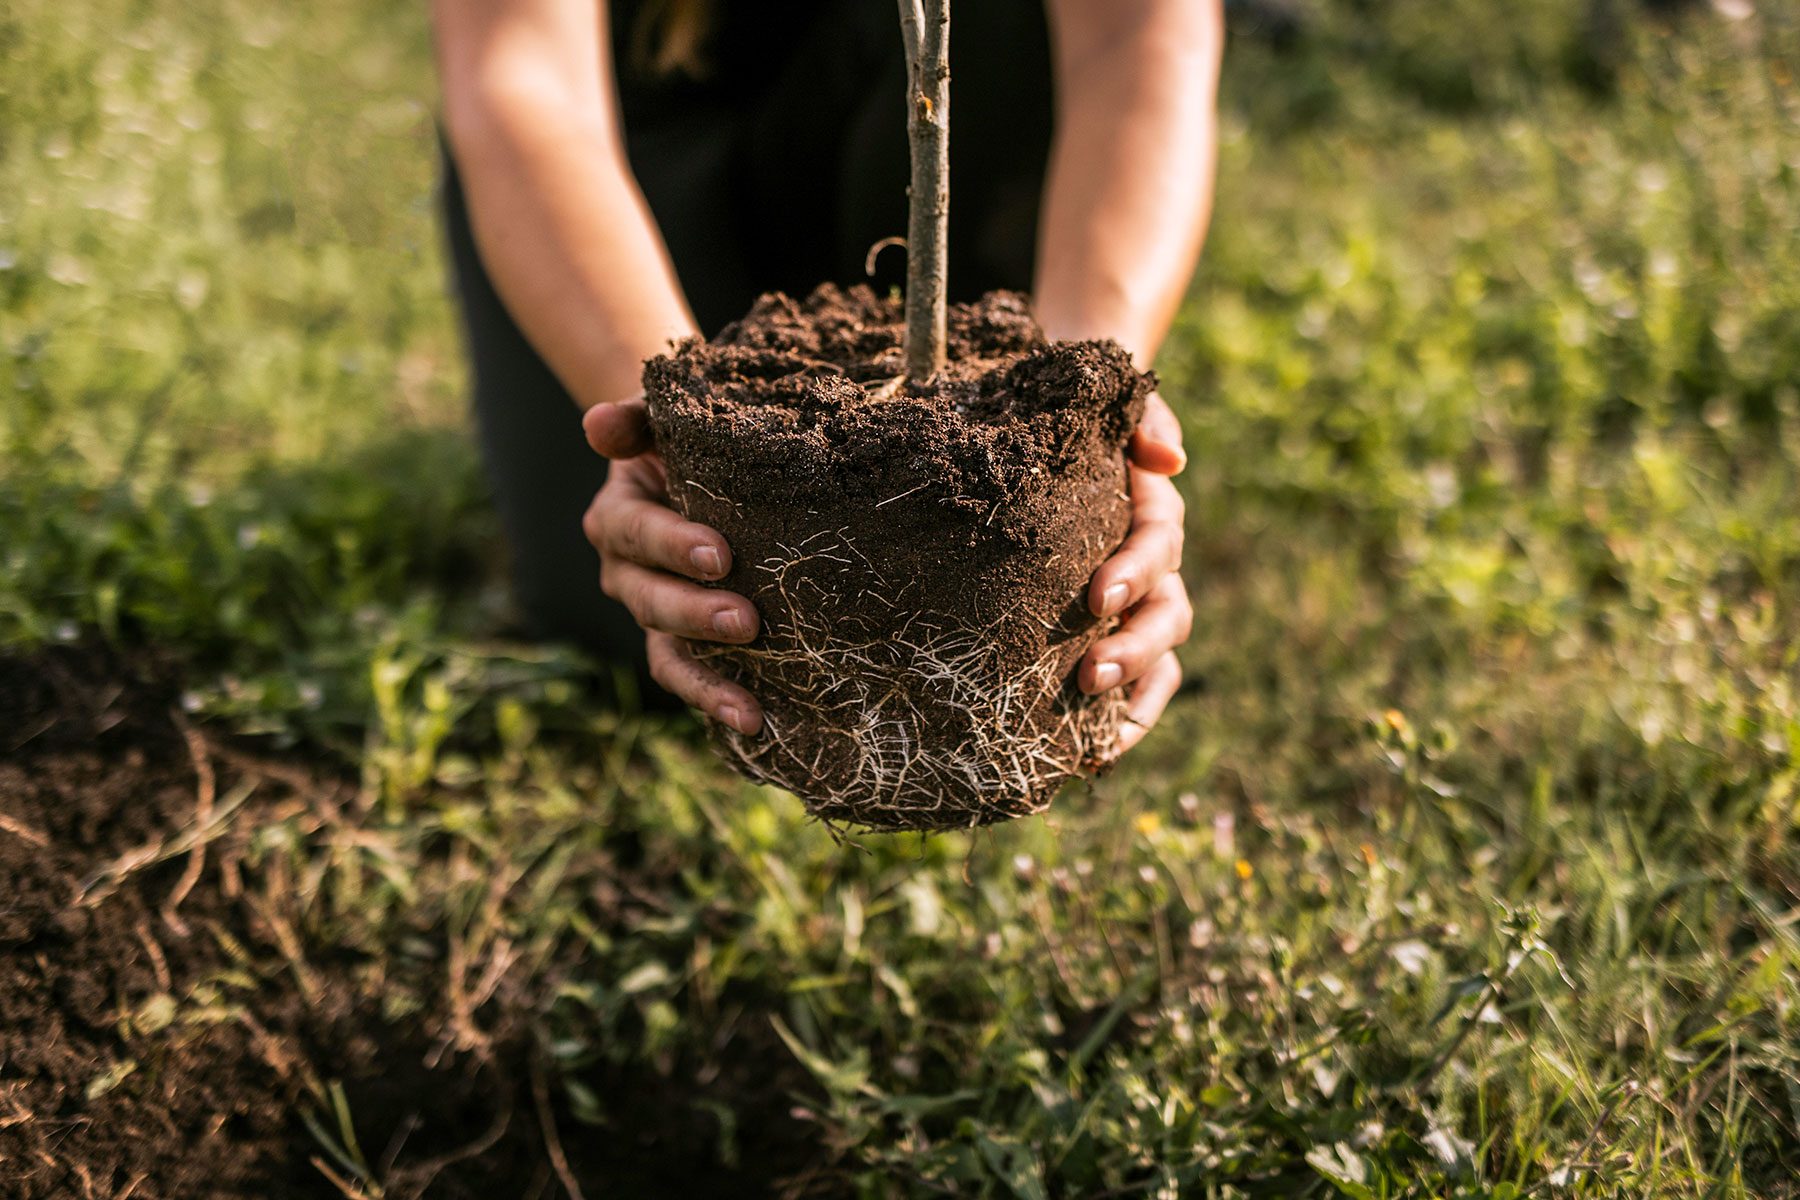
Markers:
(925, 26)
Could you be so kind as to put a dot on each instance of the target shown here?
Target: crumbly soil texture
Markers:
(919, 555)
(167, 1032)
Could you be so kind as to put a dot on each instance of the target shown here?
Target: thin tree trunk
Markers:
(925, 25)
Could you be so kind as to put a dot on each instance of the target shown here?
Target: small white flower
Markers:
(1453, 1152)
(1411, 956)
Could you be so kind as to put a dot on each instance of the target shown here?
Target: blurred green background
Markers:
(1470, 870)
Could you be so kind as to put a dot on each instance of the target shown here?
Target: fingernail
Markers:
(737, 718)
(1113, 599)
(730, 623)
(1106, 675)
(708, 561)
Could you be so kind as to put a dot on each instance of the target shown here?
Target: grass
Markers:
(1472, 870)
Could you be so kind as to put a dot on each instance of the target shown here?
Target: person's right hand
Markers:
(649, 554)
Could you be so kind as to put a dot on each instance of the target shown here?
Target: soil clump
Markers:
(920, 556)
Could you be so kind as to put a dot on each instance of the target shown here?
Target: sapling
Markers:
(925, 29)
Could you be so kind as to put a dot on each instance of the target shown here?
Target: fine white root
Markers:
(923, 725)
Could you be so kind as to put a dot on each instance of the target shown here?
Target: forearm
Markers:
(573, 251)
(557, 216)
(1129, 190)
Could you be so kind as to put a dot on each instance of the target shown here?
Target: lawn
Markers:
(1471, 867)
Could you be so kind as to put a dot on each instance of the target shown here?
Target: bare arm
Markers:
(1131, 168)
(562, 228)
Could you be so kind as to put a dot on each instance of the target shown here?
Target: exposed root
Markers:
(22, 831)
(540, 1094)
(205, 795)
(923, 726)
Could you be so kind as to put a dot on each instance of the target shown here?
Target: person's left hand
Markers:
(1143, 581)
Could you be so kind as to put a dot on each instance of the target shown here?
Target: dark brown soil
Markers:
(82, 784)
(163, 1052)
(919, 556)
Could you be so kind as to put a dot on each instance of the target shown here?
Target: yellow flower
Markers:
(1244, 869)
(1396, 720)
(1147, 823)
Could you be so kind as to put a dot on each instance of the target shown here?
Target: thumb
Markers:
(1156, 446)
(619, 430)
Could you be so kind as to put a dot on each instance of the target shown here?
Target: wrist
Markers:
(1098, 322)
(616, 371)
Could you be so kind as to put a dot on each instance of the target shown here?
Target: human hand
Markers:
(1143, 581)
(648, 555)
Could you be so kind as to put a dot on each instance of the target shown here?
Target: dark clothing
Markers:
(775, 172)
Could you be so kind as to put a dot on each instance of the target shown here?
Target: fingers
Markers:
(662, 602)
(1156, 445)
(1163, 621)
(620, 430)
(677, 670)
(1152, 550)
(645, 546)
(624, 523)
(1149, 699)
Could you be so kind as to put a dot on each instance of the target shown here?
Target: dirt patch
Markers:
(166, 1026)
(102, 1087)
(919, 556)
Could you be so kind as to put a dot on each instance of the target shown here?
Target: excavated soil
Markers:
(154, 1050)
(919, 555)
